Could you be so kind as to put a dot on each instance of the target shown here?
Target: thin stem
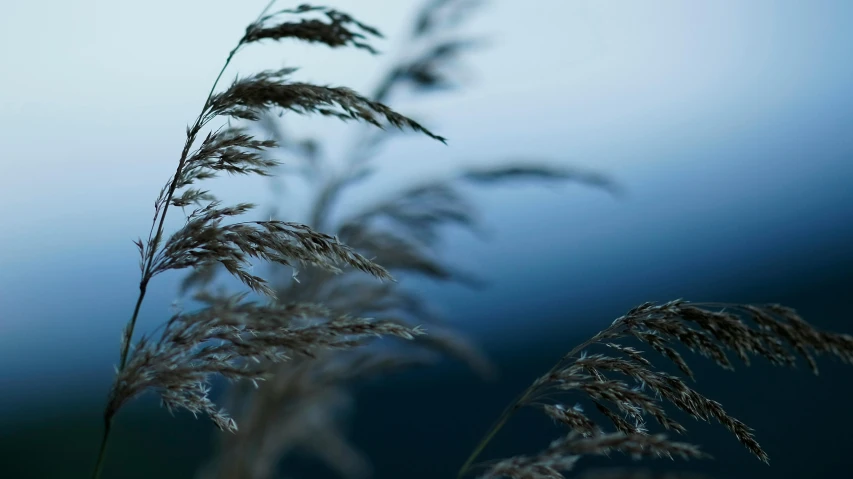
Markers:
(108, 417)
(193, 132)
(108, 423)
(522, 399)
(496, 427)
(129, 334)
(200, 121)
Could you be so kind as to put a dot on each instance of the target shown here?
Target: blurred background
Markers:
(726, 126)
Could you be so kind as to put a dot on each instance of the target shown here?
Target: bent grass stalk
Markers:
(401, 232)
(773, 332)
(229, 334)
(146, 273)
(180, 362)
(511, 409)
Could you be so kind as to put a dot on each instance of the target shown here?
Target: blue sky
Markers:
(96, 103)
(728, 123)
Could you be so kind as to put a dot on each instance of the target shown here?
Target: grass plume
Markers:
(226, 336)
(400, 231)
(626, 388)
(304, 342)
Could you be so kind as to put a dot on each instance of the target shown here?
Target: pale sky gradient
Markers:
(699, 108)
(96, 94)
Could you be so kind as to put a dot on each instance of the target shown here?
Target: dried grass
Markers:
(301, 354)
(626, 388)
(228, 336)
(400, 232)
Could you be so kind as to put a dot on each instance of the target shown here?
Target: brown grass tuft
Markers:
(563, 453)
(301, 354)
(338, 30)
(626, 388)
(228, 336)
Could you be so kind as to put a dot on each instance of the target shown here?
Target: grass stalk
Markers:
(517, 404)
(147, 268)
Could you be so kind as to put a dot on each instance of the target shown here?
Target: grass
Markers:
(293, 347)
(604, 379)
(179, 363)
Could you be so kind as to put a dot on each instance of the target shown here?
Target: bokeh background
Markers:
(728, 124)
